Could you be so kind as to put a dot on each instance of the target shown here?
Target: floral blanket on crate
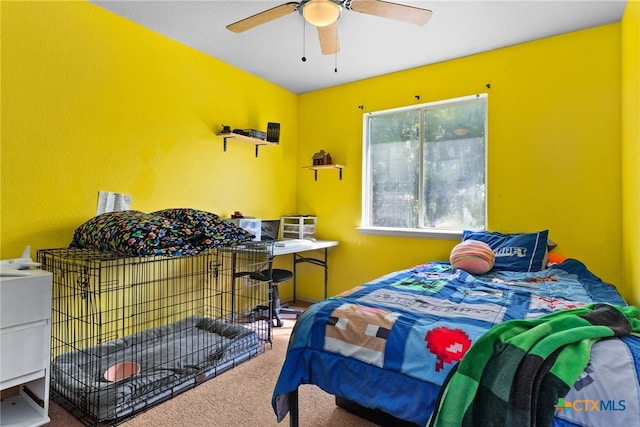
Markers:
(172, 232)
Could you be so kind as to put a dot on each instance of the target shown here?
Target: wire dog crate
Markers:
(131, 332)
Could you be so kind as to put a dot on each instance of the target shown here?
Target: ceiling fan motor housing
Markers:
(321, 12)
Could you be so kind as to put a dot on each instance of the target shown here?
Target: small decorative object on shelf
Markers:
(251, 133)
(273, 132)
(321, 158)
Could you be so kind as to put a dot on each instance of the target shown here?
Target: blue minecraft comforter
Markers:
(390, 344)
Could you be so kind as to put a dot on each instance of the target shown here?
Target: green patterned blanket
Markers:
(515, 374)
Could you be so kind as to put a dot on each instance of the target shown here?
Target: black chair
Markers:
(279, 275)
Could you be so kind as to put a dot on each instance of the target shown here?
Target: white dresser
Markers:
(25, 339)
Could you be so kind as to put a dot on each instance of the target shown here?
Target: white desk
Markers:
(297, 249)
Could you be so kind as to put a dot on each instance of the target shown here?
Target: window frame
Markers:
(432, 233)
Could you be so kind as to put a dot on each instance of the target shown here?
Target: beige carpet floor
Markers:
(237, 398)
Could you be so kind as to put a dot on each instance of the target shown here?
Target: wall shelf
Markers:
(316, 168)
(245, 139)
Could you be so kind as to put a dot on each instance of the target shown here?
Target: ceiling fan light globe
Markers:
(321, 12)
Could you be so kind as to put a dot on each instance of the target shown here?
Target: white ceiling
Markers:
(370, 45)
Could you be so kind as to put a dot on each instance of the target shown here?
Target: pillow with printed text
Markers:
(514, 251)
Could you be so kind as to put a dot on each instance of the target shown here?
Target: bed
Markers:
(421, 341)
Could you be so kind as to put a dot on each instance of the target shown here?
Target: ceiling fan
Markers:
(324, 14)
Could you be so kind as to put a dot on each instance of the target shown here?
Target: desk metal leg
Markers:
(326, 273)
(293, 409)
(294, 278)
(324, 263)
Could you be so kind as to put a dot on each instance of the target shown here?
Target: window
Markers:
(424, 168)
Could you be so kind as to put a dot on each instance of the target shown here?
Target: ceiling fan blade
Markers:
(399, 12)
(263, 17)
(328, 36)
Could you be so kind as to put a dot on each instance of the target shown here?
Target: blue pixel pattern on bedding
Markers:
(406, 330)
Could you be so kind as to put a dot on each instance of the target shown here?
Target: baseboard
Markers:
(307, 301)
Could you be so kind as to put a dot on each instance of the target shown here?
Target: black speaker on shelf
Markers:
(273, 132)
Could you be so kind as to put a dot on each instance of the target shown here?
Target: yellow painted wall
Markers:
(554, 152)
(91, 102)
(630, 285)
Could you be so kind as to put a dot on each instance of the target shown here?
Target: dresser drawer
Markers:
(25, 299)
(24, 349)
